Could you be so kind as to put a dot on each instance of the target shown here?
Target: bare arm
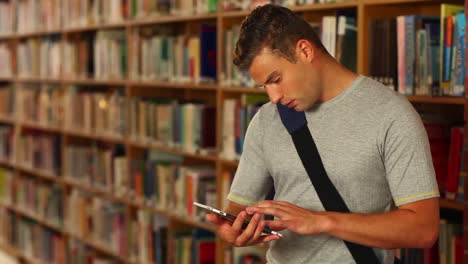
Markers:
(413, 225)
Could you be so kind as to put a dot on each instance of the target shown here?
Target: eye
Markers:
(277, 80)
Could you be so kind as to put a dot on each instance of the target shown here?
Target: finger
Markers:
(285, 206)
(275, 225)
(264, 239)
(237, 225)
(268, 211)
(258, 227)
(249, 232)
(213, 218)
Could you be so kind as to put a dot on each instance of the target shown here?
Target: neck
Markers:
(335, 78)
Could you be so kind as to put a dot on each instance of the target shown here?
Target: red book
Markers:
(453, 173)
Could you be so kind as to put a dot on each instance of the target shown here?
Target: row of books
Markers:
(149, 234)
(162, 54)
(142, 238)
(37, 150)
(448, 152)
(93, 111)
(103, 58)
(231, 75)
(37, 242)
(96, 165)
(6, 186)
(30, 15)
(98, 220)
(162, 182)
(339, 36)
(6, 18)
(7, 100)
(47, 15)
(40, 198)
(6, 140)
(39, 58)
(194, 246)
(5, 58)
(79, 13)
(157, 179)
(38, 104)
(32, 239)
(190, 126)
(420, 55)
(236, 118)
(156, 56)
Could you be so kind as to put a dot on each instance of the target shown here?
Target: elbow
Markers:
(429, 237)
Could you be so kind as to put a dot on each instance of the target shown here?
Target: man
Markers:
(370, 139)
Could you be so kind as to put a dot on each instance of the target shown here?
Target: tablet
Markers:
(231, 217)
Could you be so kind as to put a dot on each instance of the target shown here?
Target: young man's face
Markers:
(292, 84)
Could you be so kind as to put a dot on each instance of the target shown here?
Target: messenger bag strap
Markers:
(296, 124)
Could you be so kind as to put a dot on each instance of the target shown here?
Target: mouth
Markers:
(291, 104)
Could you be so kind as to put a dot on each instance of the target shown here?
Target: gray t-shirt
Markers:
(374, 148)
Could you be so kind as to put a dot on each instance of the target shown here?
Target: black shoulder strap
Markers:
(296, 124)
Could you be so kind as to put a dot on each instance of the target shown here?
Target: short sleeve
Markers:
(407, 158)
(252, 181)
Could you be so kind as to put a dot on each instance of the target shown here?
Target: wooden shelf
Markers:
(94, 27)
(7, 119)
(246, 90)
(110, 82)
(391, 2)
(38, 33)
(7, 36)
(450, 204)
(39, 173)
(6, 163)
(175, 151)
(171, 19)
(326, 6)
(13, 252)
(102, 249)
(39, 219)
(38, 80)
(300, 8)
(230, 163)
(437, 100)
(97, 137)
(156, 84)
(37, 126)
(7, 79)
(97, 191)
(64, 232)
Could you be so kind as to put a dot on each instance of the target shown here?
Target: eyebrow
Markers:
(269, 78)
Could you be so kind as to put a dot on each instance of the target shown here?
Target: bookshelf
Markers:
(212, 94)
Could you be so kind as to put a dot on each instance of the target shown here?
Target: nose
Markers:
(274, 94)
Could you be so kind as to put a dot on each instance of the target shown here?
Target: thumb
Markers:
(214, 219)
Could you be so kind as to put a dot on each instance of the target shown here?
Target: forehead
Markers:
(265, 63)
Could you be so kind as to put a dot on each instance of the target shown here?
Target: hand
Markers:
(292, 217)
(233, 233)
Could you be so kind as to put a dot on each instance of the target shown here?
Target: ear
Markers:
(305, 50)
